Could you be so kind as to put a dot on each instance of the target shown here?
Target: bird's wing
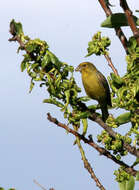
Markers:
(104, 83)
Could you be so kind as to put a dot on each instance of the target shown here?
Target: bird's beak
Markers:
(78, 69)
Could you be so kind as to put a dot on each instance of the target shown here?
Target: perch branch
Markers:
(90, 142)
(109, 130)
(127, 146)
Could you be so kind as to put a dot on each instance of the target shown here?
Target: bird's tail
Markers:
(105, 113)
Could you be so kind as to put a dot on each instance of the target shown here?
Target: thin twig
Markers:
(43, 188)
(118, 30)
(87, 165)
(130, 19)
(90, 142)
(22, 45)
(111, 64)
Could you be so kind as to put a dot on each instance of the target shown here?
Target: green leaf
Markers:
(85, 126)
(65, 84)
(94, 107)
(34, 65)
(84, 99)
(45, 61)
(82, 115)
(117, 20)
(51, 88)
(58, 81)
(136, 87)
(117, 80)
(122, 185)
(31, 86)
(30, 47)
(53, 58)
(33, 75)
(122, 92)
(16, 28)
(123, 118)
(73, 93)
(53, 101)
(23, 65)
(137, 176)
(70, 68)
(130, 184)
(127, 185)
(67, 94)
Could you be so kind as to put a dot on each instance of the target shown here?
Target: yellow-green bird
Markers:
(96, 86)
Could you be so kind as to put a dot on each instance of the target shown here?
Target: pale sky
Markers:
(30, 146)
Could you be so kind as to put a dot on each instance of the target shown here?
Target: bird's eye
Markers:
(84, 65)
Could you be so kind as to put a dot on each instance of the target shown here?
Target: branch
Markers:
(90, 142)
(87, 165)
(127, 146)
(111, 64)
(109, 130)
(22, 45)
(39, 185)
(118, 30)
(130, 19)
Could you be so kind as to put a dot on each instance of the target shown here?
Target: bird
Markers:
(96, 86)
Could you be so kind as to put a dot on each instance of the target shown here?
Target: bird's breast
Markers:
(92, 86)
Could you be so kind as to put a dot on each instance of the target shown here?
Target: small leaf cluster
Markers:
(116, 145)
(126, 181)
(121, 119)
(98, 45)
(121, 175)
(16, 28)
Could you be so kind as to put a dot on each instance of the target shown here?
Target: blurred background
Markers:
(30, 146)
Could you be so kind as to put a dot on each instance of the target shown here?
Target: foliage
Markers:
(125, 95)
(117, 20)
(57, 77)
(98, 45)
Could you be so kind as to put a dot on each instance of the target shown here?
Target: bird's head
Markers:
(85, 67)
